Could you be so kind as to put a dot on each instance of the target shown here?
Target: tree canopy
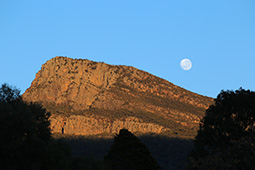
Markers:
(128, 153)
(226, 134)
(24, 130)
(26, 141)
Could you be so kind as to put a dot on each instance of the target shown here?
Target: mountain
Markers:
(95, 98)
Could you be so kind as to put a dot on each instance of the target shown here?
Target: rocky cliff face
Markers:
(78, 90)
(81, 125)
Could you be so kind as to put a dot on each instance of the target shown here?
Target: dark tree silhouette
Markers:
(226, 138)
(25, 138)
(8, 93)
(128, 153)
(24, 131)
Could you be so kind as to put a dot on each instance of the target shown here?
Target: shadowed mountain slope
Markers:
(94, 97)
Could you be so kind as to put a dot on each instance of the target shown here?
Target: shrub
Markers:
(128, 153)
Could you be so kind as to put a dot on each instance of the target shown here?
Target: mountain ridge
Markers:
(81, 87)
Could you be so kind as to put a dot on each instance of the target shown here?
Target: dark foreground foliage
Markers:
(226, 138)
(170, 153)
(25, 138)
(24, 131)
(128, 153)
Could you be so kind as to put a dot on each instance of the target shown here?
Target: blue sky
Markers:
(218, 36)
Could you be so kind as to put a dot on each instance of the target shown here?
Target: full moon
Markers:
(186, 64)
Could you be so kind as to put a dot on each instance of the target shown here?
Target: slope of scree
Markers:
(94, 97)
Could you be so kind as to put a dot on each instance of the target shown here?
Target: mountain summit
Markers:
(94, 97)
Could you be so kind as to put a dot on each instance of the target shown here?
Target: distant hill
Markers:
(94, 98)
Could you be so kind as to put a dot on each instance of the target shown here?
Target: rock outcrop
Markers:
(67, 87)
(81, 125)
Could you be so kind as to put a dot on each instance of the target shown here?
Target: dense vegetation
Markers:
(128, 153)
(170, 153)
(25, 138)
(226, 138)
(24, 131)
